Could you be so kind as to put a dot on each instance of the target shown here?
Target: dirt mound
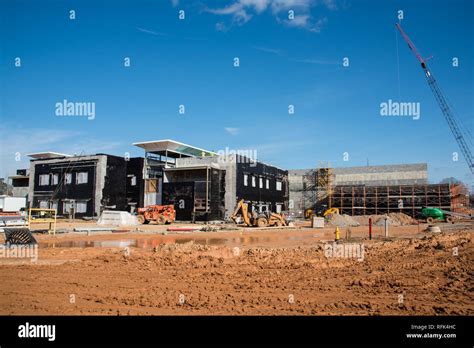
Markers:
(394, 219)
(184, 247)
(342, 220)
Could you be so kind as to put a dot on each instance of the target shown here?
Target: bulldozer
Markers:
(161, 214)
(255, 219)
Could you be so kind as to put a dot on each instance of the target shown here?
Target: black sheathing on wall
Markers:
(61, 191)
(114, 192)
(189, 187)
(217, 194)
(256, 195)
(181, 195)
(135, 193)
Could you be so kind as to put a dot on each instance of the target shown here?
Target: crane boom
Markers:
(442, 102)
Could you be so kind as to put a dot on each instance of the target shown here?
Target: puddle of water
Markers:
(150, 243)
(90, 244)
(138, 243)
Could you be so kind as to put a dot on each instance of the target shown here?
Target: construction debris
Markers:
(19, 236)
(92, 229)
(117, 218)
(434, 229)
(184, 229)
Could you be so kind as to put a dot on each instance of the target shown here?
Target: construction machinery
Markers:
(160, 214)
(437, 214)
(254, 219)
(448, 113)
(309, 213)
(18, 236)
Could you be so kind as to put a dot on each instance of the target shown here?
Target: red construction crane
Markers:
(443, 104)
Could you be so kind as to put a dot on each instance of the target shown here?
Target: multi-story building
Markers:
(205, 185)
(85, 185)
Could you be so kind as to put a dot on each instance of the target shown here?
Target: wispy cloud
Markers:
(29, 140)
(318, 61)
(282, 53)
(305, 21)
(331, 4)
(221, 26)
(151, 32)
(175, 3)
(278, 52)
(242, 11)
(232, 130)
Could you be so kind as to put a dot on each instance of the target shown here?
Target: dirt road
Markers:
(246, 273)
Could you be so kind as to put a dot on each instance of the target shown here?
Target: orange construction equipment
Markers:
(161, 214)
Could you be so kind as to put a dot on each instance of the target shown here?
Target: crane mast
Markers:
(442, 102)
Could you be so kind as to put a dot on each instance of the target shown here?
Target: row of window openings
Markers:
(265, 207)
(79, 206)
(45, 179)
(81, 178)
(260, 182)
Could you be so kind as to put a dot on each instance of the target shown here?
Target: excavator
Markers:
(255, 219)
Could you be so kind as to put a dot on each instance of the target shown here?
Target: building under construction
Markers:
(372, 190)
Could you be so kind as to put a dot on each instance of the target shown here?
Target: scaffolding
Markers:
(460, 198)
(324, 185)
(408, 199)
(318, 187)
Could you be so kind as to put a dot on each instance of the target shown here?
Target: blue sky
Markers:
(282, 62)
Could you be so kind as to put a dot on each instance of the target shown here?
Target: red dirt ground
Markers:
(277, 272)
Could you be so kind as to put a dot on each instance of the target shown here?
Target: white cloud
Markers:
(285, 5)
(330, 4)
(242, 11)
(305, 21)
(232, 131)
(239, 14)
(175, 3)
(25, 141)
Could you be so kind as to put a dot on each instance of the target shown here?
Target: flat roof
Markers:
(175, 169)
(19, 177)
(47, 155)
(173, 148)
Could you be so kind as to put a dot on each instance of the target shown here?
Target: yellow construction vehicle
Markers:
(308, 213)
(255, 219)
(331, 211)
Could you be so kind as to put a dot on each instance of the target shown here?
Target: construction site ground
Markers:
(145, 270)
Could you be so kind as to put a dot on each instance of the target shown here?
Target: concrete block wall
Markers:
(385, 175)
(401, 174)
